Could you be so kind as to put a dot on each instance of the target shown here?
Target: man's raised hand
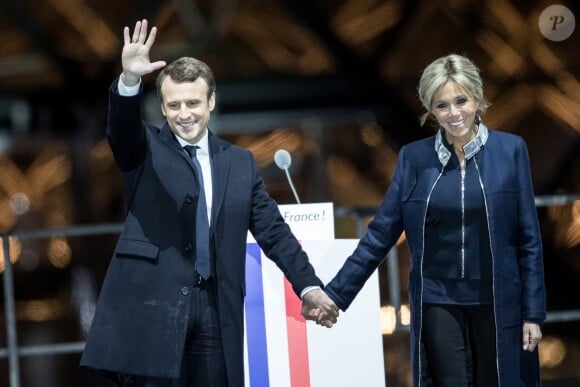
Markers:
(135, 56)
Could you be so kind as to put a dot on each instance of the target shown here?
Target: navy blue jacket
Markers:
(142, 314)
(518, 276)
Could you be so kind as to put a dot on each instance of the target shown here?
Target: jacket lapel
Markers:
(167, 136)
(220, 159)
(220, 168)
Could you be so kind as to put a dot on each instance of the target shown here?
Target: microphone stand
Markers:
(292, 186)
(283, 160)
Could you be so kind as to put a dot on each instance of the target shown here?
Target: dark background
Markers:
(333, 82)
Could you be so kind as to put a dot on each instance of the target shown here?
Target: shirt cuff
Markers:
(128, 91)
(307, 290)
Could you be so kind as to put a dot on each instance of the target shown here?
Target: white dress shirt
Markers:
(202, 155)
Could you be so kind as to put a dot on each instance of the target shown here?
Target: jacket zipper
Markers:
(463, 221)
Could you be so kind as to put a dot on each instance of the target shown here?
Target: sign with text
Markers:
(312, 221)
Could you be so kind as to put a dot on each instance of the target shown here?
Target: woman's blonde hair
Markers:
(458, 69)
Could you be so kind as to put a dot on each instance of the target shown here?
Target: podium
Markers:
(281, 348)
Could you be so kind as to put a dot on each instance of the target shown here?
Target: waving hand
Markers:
(135, 56)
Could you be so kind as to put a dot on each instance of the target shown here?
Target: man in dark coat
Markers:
(161, 320)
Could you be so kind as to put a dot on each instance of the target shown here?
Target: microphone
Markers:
(283, 161)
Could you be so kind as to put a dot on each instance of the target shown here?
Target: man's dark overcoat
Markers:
(142, 313)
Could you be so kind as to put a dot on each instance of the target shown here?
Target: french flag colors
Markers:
(284, 350)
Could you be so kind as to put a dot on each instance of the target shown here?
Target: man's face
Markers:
(187, 108)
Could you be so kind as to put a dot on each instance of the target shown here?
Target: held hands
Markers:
(135, 56)
(317, 306)
(531, 336)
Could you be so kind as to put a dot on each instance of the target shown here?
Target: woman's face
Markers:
(455, 111)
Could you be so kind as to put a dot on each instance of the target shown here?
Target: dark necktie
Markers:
(202, 260)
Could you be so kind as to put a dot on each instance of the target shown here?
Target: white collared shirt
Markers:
(202, 155)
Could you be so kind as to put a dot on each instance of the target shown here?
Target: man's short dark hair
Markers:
(187, 69)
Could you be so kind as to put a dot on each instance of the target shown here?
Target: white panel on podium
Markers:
(283, 350)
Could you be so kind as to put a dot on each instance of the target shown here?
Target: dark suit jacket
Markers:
(142, 314)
